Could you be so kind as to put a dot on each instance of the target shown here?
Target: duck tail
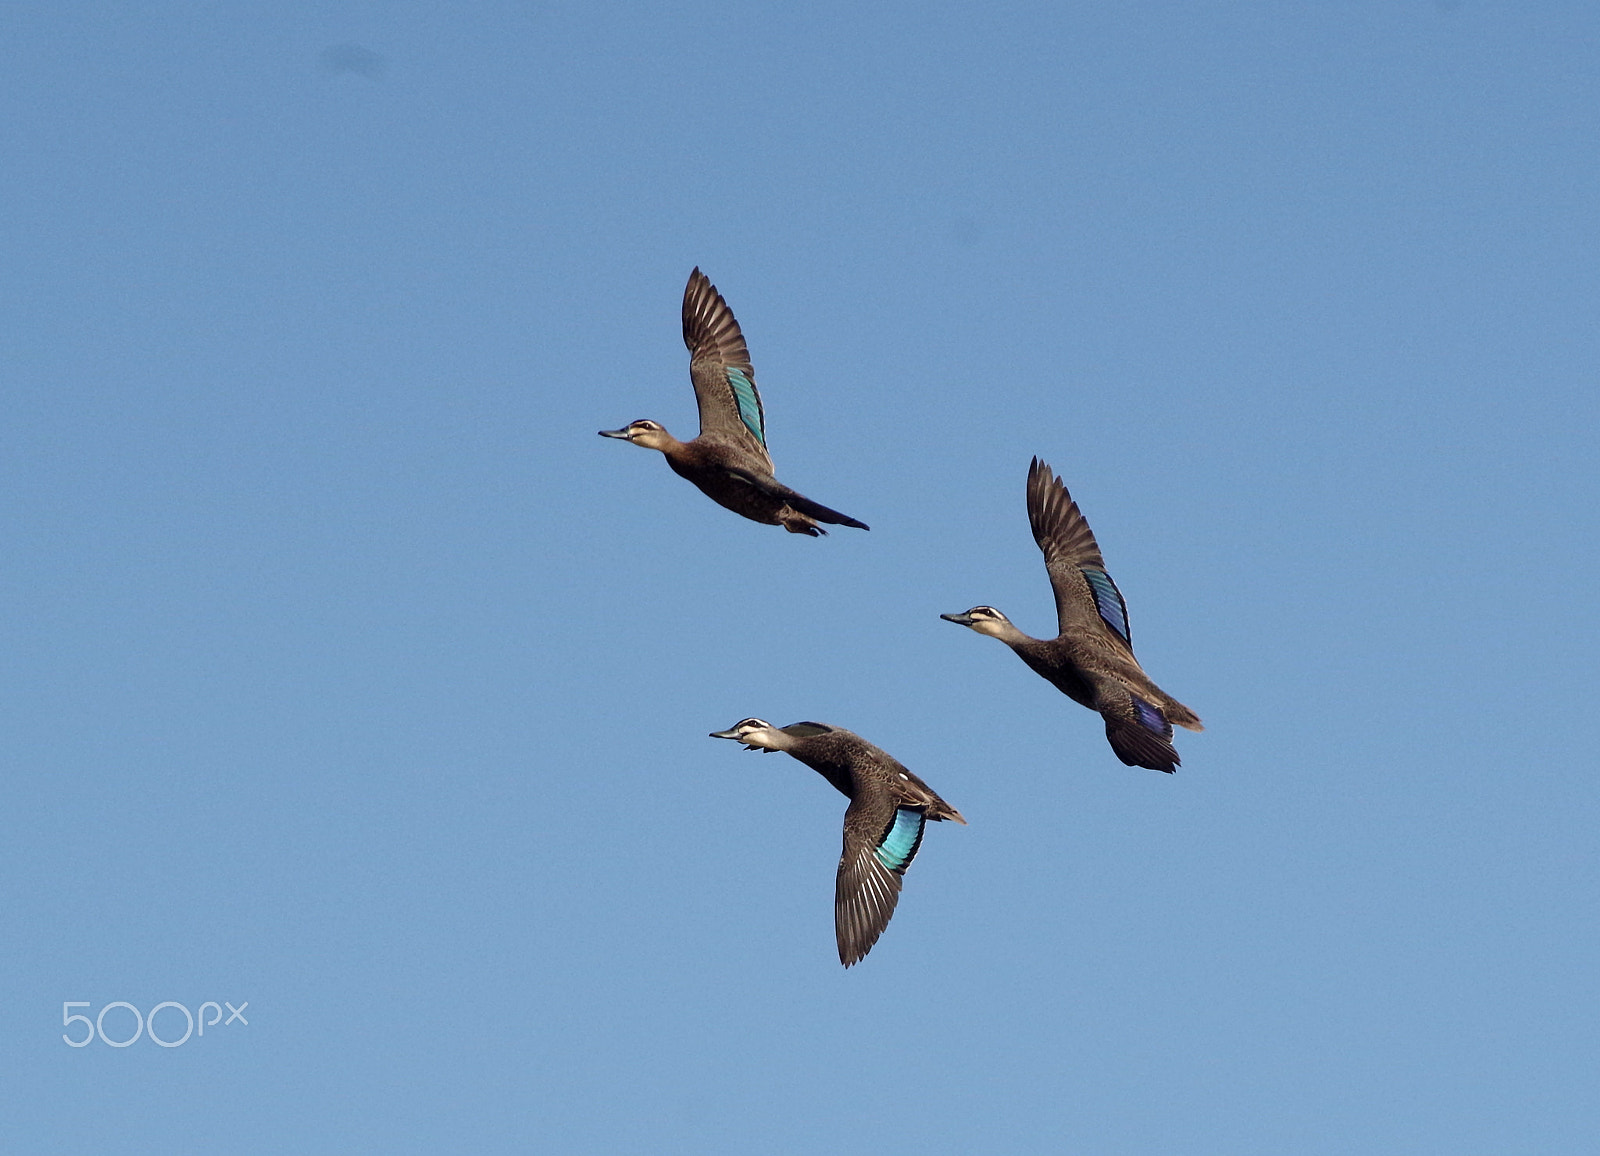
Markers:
(1180, 715)
(804, 505)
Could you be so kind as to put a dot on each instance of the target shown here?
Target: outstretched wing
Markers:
(719, 366)
(1140, 734)
(868, 886)
(1086, 597)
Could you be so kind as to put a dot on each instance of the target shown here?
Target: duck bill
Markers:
(724, 735)
(958, 619)
(615, 433)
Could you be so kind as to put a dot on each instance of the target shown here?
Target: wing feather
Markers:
(719, 366)
(868, 885)
(1086, 597)
(1140, 735)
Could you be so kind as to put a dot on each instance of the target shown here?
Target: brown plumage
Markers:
(882, 826)
(1091, 658)
(728, 461)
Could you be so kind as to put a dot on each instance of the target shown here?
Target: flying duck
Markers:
(729, 460)
(882, 826)
(1091, 660)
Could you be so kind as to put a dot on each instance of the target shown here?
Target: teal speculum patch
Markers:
(900, 842)
(1108, 600)
(744, 394)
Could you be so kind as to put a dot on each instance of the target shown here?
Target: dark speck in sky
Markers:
(339, 58)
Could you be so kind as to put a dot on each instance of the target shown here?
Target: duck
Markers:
(729, 459)
(889, 807)
(1091, 659)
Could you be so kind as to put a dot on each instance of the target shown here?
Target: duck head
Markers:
(983, 619)
(756, 735)
(651, 435)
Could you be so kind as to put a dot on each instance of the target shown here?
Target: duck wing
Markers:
(719, 366)
(1139, 733)
(880, 840)
(1087, 600)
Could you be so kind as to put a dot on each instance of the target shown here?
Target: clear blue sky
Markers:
(349, 674)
